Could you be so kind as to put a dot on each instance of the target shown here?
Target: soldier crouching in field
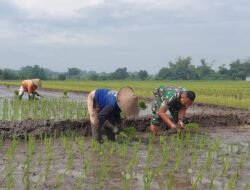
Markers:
(105, 106)
(169, 107)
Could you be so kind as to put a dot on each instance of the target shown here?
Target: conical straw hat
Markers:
(37, 82)
(128, 101)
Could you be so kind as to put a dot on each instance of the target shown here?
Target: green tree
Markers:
(182, 69)
(119, 74)
(62, 76)
(238, 70)
(35, 71)
(204, 71)
(8, 74)
(93, 76)
(73, 71)
(164, 73)
(142, 74)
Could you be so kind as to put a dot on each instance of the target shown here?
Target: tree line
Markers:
(181, 69)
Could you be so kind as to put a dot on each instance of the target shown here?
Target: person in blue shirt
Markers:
(105, 106)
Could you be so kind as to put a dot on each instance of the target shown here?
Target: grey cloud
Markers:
(132, 36)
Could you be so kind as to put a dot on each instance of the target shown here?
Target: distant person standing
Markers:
(170, 106)
(30, 86)
(105, 106)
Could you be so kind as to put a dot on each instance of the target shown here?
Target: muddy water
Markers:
(8, 92)
(199, 111)
(66, 162)
(57, 170)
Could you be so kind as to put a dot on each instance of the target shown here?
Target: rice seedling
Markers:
(212, 178)
(27, 162)
(247, 186)
(242, 161)
(65, 94)
(49, 155)
(112, 149)
(238, 148)
(70, 160)
(208, 158)
(148, 176)
(103, 168)
(127, 174)
(142, 105)
(225, 165)
(194, 157)
(95, 145)
(232, 181)
(217, 143)
(9, 167)
(123, 148)
(170, 180)
(81, 142)
(180, 160)
(198, 179)
(165, 154)
(178, 157)
(15, 109)
(126, 179)
(84, 173)
(5, 111)
(16, 92)
(1, 140)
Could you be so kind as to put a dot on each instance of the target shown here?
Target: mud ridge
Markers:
(21, 129)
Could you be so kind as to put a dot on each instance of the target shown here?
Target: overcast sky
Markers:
(103, 35)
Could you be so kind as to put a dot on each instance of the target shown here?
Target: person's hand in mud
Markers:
(173, 126)
(181, 126)
(115, 128)
(173, 129)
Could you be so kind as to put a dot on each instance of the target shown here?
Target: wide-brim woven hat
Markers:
(37, 82)
(128, 101)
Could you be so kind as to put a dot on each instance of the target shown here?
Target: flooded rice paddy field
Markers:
(190, 161)
(59, 153)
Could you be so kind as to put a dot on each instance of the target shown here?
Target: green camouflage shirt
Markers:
(169, 97)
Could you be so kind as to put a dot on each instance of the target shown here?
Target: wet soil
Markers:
(207, 116)
(231, 125)
(66, 162)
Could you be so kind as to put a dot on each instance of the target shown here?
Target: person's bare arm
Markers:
(165, 118)
(181, 115)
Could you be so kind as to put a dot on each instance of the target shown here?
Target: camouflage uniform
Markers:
(168, 96)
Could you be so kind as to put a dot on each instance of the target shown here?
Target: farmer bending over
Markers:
(170, 105)
(30, 86)
(105, 106)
